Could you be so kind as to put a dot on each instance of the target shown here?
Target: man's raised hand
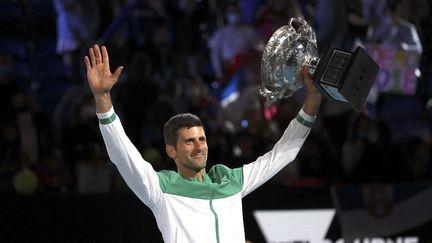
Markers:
(99, 75)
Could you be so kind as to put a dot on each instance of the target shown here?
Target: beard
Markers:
(196, 164)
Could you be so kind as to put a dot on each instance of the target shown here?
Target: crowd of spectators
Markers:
(203, 57)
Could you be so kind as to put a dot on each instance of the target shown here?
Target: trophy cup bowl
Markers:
(339, 74)
(290, 48)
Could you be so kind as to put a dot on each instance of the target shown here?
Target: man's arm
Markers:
(100, 78)
(313, 95)
(138, 174)
(288, 146)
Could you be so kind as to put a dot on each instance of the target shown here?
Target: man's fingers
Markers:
(117, 72)
(105, 57)
(92, 57)
(98, 54)
(306, 74)
(87, 63)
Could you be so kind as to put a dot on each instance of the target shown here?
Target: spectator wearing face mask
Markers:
(231, 42)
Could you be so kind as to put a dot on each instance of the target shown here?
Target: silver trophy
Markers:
(340, 75)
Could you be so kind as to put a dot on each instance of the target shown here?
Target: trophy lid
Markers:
(288, 50)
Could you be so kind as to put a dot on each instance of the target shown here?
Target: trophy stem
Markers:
(311, 63)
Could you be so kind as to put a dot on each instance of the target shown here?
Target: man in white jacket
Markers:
(190, 204)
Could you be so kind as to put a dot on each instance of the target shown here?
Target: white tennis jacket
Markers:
(186, 210)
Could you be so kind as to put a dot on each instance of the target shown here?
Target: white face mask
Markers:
(233, 18)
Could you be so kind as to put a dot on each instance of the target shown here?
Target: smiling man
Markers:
(192, 205)
(186, 144)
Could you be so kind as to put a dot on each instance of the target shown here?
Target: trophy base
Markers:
(346, 76)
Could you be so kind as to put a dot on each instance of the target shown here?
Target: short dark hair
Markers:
(184, 120)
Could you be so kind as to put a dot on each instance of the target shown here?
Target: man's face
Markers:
(191, 150)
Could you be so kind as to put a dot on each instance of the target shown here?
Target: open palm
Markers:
(99, 75)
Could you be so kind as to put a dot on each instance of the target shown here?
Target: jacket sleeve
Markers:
(138, 173)
(284, 151)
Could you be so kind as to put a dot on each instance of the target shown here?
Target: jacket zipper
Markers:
(215, 214)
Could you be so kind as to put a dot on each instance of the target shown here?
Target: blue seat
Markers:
(43, 16)
(12, 21)
(10, 9)
(17, 48)
(22, 70)
(41, 9)
(45, 51)
(46, 71)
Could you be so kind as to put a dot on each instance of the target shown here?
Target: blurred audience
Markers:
(231, 43)
(172, 53)
(274, 14)
(78, 23)
(94, 172)
(393, 30)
